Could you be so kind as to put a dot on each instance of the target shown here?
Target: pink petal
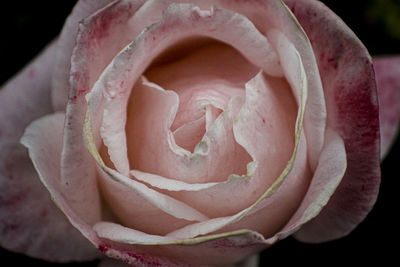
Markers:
(122, 193)
(163, 202)
(154, 150)
(351, 99)
(106, 231)
(140, 248)
(260, 89)
(387, 74)
(212, 114)
(92, 53)
(326, 179)
(128, 76)
(43, 138)
(272, 208)
(189, 135)
(271, 14)
(278, 208)
(160, 182)
(25, 205)
(272, 113)
(66, 43)
(155, 40)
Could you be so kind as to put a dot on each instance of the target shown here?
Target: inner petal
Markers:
(190, 134)
(204, 82)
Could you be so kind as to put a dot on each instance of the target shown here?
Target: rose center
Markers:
(204, 84)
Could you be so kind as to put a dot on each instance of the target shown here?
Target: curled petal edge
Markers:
(203, 227)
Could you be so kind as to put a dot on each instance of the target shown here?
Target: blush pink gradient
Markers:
(196, 108)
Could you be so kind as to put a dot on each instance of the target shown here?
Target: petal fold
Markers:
(352, 108)
(326, 179)
(66, 43)
(216, 23)
(25, 205)
(43, 138)
(92, 53)
(221, 249)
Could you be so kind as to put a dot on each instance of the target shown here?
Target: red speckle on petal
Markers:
(103, 248)
(73, 98)
(333, 62)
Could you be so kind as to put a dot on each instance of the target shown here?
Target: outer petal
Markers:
(208, 251)
(327, 177)
(352, 105)
(387, 74)
(43, 139)
(30, 223)
(60, 78)
(101, 36)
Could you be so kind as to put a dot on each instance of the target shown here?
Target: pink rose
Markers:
(193, 132)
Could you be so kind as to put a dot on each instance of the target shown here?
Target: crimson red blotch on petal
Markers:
(352, 108)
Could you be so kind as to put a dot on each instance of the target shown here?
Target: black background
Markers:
(27, 26)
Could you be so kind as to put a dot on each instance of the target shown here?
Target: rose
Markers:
(71, 201)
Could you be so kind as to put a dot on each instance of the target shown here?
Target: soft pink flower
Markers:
(193, 132)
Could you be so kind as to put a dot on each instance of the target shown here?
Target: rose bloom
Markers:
(193, 133)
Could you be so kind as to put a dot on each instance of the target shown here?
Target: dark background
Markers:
(27, 26)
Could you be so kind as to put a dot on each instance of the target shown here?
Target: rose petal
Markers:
(100, 37)
(277, 208)
(326, 179)
(46, 154)
(163, 202)
(189, 135)
(352, 105)
(117, 195)
(271, 110)
(212, 250)
(271, 14)
(387, 74)
(212, 114)
(147, 216)
(66, 42)
(273, 189)
(25, 206)
(154, 150)
(296, 76)
(43, 139)
(168, 184)
(217, 23)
